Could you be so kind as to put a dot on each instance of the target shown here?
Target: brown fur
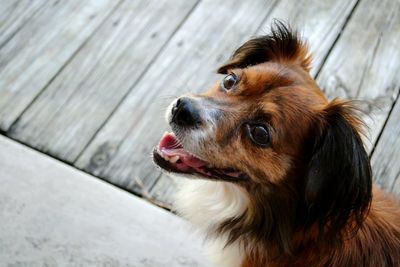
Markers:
(375, 244)
(310, 192)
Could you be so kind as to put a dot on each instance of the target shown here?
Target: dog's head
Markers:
(267, 128)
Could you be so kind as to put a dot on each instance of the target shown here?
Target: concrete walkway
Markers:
(54, 215)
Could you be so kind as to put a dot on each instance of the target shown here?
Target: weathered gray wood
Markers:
(54, 215)
(164, 191)
(365, 62)
(386, 156)
(121, 152)
(319, 22)
(41, 47)
(396, 186)
(82, 96)
(14, 14)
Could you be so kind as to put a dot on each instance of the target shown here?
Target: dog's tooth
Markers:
(164, 156)
(174, 159)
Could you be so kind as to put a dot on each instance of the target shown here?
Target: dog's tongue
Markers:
(169, 141)
(173, 151)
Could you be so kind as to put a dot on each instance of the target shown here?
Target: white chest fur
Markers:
(206, 204)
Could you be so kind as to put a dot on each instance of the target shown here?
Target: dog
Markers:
(279, 174)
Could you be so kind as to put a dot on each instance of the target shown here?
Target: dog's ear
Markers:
(339, 179)
(281, 45)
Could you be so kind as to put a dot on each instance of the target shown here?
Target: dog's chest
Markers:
(207, 204)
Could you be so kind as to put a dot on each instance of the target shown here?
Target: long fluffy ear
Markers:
(339, 180)
(281, 45)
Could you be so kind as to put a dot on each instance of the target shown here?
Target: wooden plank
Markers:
(164, 191)
(121, 152)
(39, 50)
(386, 155)
(365, 62)
(84, 94)
(14, 14)
(319, 22)
(54, 215)
(396, 186)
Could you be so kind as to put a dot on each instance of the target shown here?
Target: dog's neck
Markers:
(221, 210)
(207, 205)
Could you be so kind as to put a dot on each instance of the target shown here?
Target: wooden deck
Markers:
(87, 82)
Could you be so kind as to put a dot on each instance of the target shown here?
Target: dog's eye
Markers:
(229, 82)
(258, 134)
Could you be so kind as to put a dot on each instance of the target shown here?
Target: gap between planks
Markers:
(41, 91)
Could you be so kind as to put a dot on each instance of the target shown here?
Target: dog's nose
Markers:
(184, 113)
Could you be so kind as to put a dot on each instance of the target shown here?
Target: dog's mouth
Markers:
(171, 156)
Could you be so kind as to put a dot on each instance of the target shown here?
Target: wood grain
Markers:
(365, 62)
(386, 156)
(164, 191)
(318, 22)
(79, 100)
(14, 14)
(396, 186)
(40, 49)
(121, 152)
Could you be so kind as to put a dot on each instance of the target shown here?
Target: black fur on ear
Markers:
(281, 45)
(339, 180)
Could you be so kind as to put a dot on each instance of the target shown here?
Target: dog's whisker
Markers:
(176, 145)
(167, 97)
